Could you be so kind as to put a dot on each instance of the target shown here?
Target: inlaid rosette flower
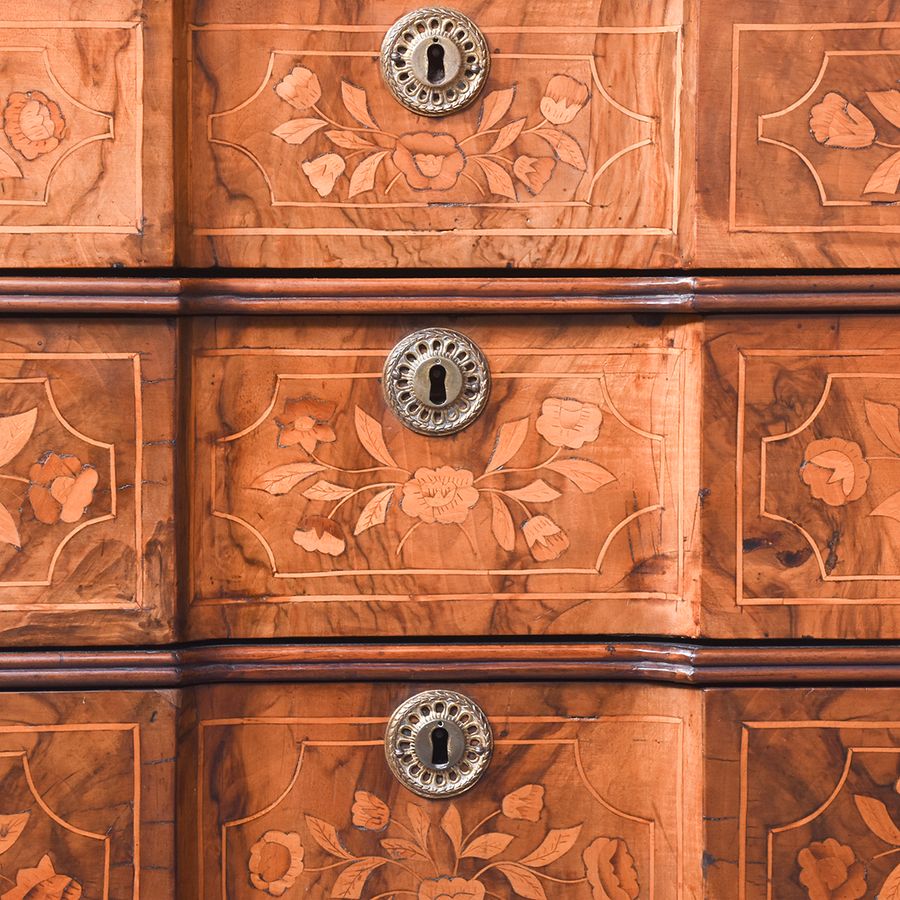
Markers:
(830, 870)
(276, 861)
(369, 812)
(446, 888)
(835, 471)
(610, 871)
(33, 123)
(429, 162)
(443, 495)
(43, 883)
(569, 423)
(564, 98)
(317, 534)
(836, 122)
(545, 539)
(304, 422)
(61, 488)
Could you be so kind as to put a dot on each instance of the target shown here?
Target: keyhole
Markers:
(440, 737)
(436, 72)
(438, 391)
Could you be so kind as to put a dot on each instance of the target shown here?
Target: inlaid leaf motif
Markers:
(296, 131)
(363, 177)
(374, 512)
(566, 147)
(487, 846)
(875, 814)
(886, 178)
(349, 140)
(508, 135)
(536, 492)
(325, 490)
(326, 836)
(11, 828)
(350, 883)
(357, 103)
(890, 509)
(887, 103)
(502, 524)
(371, 436)
(401, 848)
(419, 824)
(15, 432)
(885, 421)
(8, 167)
(509, 442)
(496, 105)
(890, 890)
(585, 475)
(498, 179)
(9, 533)
(451, 822)
(523, 882)
(558, 842)
(282, 479)
(841, 466)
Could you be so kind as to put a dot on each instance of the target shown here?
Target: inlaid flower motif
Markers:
(534, 173)
(61, 488)
(43, 883)
(276, 861)
(569, 423)
(442, 495)
(545, 539)
(835, 471)
(446, 888)
(429, 162)
(830, 870)
(323, 172)
(525, 804)
(304, 422)
(370, 813)
(300, 87)
(564, 98)
(610, 871)
(836, 122)
(33, 123)
(318, 534)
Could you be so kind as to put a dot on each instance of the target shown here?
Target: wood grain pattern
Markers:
(315, 515)
(795, 101)
(86, 482)
(807, 410)
(285, 761)
(301, 155)
(86, 808)
(86, 166)
(801, 794)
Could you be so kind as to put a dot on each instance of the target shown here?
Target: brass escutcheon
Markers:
(438, 743)
(435, 61)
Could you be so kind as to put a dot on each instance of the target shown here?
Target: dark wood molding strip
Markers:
(655, 662)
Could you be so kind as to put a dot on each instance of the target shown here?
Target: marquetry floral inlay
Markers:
(38, 882)
(837, 123)
(487, 159)
(442, 495)
(34, 126)
(443, 861)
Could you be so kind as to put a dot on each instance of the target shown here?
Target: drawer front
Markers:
(86, 481)
(85, 91)
(88, 795)
(302, 156)
(802, 469)
(294, 792)
(798, 103)
(802, 794)
(563, 508)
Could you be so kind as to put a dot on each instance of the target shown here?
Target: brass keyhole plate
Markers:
(435, 61)
(443, 720)
(436, 381)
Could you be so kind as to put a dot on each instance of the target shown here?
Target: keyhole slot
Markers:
(436, 69)
(440, 752)
(437, 393)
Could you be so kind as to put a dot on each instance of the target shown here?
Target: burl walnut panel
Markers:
(799, 133)
(86, 481)
(802, 794)
(86, 172)
(300, 155)
(87, 796)
(801, 468)
(585, 797)
(568, 507)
